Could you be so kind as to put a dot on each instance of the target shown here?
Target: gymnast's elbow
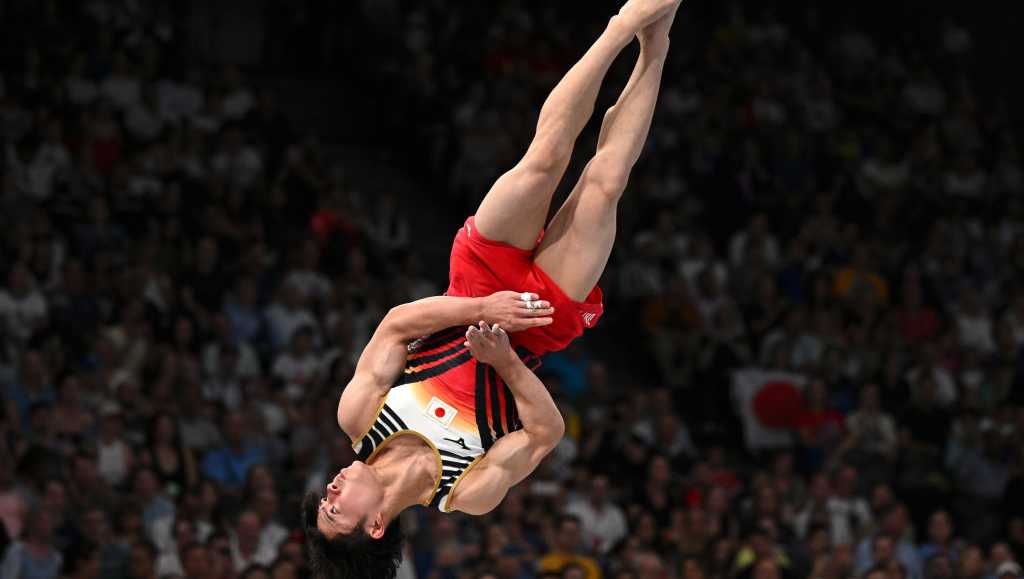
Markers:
(548, 434)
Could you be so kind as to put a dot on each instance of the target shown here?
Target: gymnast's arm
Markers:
(514, 456)
(383, 359)
(508, 308)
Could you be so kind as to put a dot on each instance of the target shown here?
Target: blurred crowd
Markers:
(188, 279)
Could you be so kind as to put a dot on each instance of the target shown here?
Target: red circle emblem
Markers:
(439, 412)
(778, 405)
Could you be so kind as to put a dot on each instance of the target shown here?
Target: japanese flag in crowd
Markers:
(770, 403)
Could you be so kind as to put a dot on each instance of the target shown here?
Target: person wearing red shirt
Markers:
(820, 427)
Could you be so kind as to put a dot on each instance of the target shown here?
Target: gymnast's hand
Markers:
(516, 312)
(490, 345)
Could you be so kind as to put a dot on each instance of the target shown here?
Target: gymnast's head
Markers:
(348, 535)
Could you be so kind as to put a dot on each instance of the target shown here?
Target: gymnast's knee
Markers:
(606, 177)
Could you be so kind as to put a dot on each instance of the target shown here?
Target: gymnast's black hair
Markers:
(353, 556)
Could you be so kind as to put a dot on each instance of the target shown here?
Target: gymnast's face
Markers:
(352, 498)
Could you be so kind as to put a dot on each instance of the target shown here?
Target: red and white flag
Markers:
(770, 403)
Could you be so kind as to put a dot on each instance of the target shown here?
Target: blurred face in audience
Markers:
(717, 501)
(895, 522)
(647, 528)
(599, 489)
(95, 524)
(869, 398)
(692, 570)
(940, 528)
(219, 551)
(284, 570)
(292, 551)
(568, 539)
(896, 570)
(146, 485)
(659, 471)
(140, 562)
(195, 561)
(233, 428)
(881, 496)
(1016, 529)
(761, 544)
(183, 531)
(972, 562)
(766, 569)
(56, 497)
(248, 527)
(821, 488)
(819, 541)
(353, 497)
(883, 550)
(999, 554)
(722, 552)
(649, 565)
(265, 504)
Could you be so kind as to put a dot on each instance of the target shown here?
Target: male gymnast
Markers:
(454, 420)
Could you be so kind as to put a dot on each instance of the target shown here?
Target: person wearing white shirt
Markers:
(603, 522)
(846, 516)
(307, 277)
(238, 100)
(967, 180)
(247, 364)
(144, 120)
(237, 161)
(886, 171)
(287, 315)
(265, 504)
(299, 367)
(121, 87)
(974, 324)
(23, 308)
(757, 233)
(35, 170)
(871, 431)
(247, 543)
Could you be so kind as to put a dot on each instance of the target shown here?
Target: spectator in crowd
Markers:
(940, 539)
(871, 441)
(35, 556)
(891, 543)
(567, 550)
(249, 544)
(602, 521)
(230, 464)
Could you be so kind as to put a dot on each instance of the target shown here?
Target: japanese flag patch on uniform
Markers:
(441, 412)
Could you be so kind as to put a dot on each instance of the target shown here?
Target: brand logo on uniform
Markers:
(588, 319)
(461, 442)
(440, 412)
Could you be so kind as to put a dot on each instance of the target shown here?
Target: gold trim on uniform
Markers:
(451, 492)
(437, 456)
